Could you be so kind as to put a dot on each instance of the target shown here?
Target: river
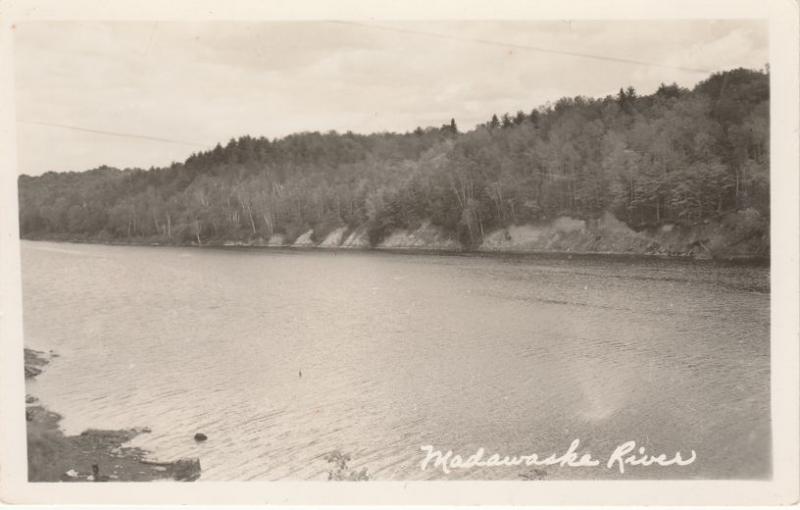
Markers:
(280, 357)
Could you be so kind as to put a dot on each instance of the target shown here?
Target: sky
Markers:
(141, 94)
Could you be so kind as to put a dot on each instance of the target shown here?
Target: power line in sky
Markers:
(521, 46)
(113, 133)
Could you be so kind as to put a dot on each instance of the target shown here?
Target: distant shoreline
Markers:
(745, 260)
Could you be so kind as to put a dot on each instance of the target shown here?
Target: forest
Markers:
(677, 155)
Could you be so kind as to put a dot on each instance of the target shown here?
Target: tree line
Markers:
(678, 155)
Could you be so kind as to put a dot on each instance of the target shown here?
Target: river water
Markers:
(513, 355)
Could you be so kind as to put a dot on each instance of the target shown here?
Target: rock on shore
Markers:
(34, 362)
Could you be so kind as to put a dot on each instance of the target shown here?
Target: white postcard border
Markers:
(782, 16)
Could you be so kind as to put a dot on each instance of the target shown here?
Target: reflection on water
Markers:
(515, 356)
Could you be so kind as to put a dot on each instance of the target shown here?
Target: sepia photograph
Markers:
(398, 250)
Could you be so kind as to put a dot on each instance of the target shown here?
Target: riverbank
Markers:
(93, 455)
(739, 237)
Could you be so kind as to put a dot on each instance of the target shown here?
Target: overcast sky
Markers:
(203, 83)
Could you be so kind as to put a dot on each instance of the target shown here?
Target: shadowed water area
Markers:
(514, 355)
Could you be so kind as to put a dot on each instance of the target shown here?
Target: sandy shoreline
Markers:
(93, 455)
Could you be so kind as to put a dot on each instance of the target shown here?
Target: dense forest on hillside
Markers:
(678, 155)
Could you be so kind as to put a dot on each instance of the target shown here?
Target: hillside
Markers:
(676, 172)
